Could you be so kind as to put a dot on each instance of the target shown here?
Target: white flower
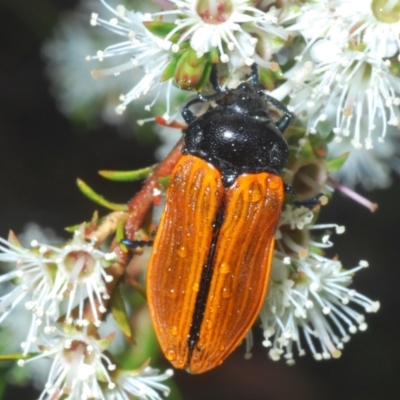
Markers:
(11, 334)
(351, 87)
(142, 50)
(225, 25)
(11, 337)
(78, 95)
(142, 384)
(47, 277)
(34, 275)
(373, 23)
(309, 300)
(369, 168)
(82, 275)
(80, 369)
(347, 91)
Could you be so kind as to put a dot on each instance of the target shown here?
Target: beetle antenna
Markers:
(254, 75)
(216, 86)
(134, 244)
(214, 78)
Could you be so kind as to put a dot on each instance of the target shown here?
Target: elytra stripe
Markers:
(205, 282)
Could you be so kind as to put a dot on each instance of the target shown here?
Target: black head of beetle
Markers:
(238, 136)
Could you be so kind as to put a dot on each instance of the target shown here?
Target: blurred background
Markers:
(48, 138)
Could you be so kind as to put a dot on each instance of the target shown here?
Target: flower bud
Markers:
(191, 70)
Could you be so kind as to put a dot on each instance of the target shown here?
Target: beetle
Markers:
(209, 269)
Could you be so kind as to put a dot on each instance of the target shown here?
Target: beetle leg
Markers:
(212, 97)
(283, 122)
(309, 203)
(134, 244)
(189, 116)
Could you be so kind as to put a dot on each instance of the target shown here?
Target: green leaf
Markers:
(12, 238)
(169, 70)
(213, 56)
(92, 195)
(148, 344)
(269, 77)
(337, 163)
(73, 228)
(127, 176)
(164, 181)
(307, 151)
(3, 386)
(16, 356)
(105, 342)
(204, 78)
(159, 28)
(119, 313)
(266, 78)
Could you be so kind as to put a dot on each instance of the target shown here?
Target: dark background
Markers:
(41, 155)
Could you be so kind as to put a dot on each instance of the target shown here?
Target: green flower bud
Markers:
(191, 71)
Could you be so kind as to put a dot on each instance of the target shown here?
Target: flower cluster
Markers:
(49, 275)
(309, 297)
(68, 283)
(346, 82)
(201, 33)
(335, 63)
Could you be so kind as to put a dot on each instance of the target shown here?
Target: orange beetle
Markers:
(211, 261)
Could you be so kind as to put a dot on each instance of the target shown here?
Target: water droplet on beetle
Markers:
(182, 252)
(226, 293)
(170, 354)
(224, 268)
(172, 294)
(273, 182)
(253, 195)
(195, 287)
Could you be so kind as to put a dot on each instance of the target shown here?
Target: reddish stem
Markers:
(141, 203)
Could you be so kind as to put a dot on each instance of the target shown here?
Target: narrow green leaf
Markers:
(127, 176)
(119, 235)
(164, 181)
(159, 28)
(204, 78)
(213, 55)
(336, 163)
(149, 347)
(169, 70)
(3, 386)
(13, 239)
(73, 228)
(120, 315)
(16, 356)
(92, 195)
